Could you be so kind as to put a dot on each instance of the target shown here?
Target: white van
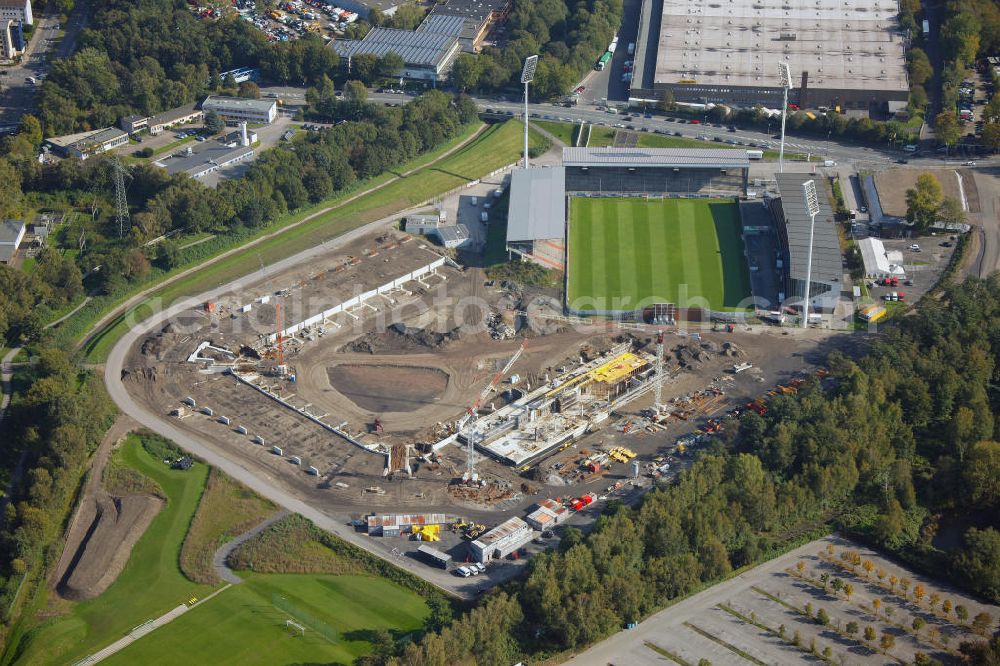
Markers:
(910, 148)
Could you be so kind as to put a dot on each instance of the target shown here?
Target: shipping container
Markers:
(258, 440)
(296, 460)
(207, 411)
(224, 420)
(276, 450)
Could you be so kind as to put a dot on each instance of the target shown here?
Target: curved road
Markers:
(222, 554)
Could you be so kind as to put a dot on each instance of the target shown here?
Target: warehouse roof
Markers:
(454, 233)
(442, 24)
(475, 10)
(851, 44)
(85, 140)
(826, 263)
(505, 529)
(537, 204)
(721, 158)
(419, 48)
(196, 163)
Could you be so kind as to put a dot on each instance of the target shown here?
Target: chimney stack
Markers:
(244, 139)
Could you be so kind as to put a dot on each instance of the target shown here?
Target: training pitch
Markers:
(627, 251)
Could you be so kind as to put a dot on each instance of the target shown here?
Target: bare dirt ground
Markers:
(379, 361)
(893, 183)
(104, 529)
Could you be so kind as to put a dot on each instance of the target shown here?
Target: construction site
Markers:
(388, 379)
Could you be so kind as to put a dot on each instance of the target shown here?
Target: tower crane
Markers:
(473, 410)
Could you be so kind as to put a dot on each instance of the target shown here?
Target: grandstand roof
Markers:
(678, 158)
(826, 263)
(537, 204)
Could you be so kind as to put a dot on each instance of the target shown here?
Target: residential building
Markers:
(182, 115)
(235, 110)
(11, 235)
(16, 10)
(86, 144)
(502, 540)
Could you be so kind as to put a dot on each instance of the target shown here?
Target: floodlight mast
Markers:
(785, 74)
(811, 201)
(527, 76)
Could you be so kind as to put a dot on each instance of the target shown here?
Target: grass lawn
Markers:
(498, 146)
(565, 132)
(242, 626)
(626, 250)
(150, 584)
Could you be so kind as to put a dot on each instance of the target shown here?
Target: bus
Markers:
(603, 62)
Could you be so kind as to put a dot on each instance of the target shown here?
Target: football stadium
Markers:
(638, 230)
(626, 253)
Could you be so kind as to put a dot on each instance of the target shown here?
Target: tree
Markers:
(961, 612)
(979, 561)
(868, 566)
(870, 633)
(390, 65)
(982, 622)
(822, 617)
(848, 590)
(364, 67)
(946, 607)
(991, 134)
(923, 202)
(355, 91)
(214, 123)
(933, 600)
(951, 211)
(887, 642)
(892, 582)
(981, 474)
(249, 90)
(918, 624)
(465, 71)
(946, 128)
(851, 628)
(876, 604)
(919, 592)
(920, 67)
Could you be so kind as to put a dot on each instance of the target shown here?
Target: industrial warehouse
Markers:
(848, 55)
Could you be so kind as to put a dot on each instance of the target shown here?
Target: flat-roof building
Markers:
(876, 259)
(547, 515)
(182, 115)
(133, 124)
(86, 144)
(11, 235)
(502, 540)
(396, 524)
(426, 55)
(669, 171)
(475, 17)
(235, 110)
(793, 230)
(11, 38)
(454, 236)
(16, 10)
(849, 54)
(205, 161)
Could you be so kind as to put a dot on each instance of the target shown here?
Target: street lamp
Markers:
(812, 206)
(527, 76)
(785, 74)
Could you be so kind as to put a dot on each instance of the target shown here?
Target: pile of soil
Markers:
(154, 345)
(400, 338)
(106, 529)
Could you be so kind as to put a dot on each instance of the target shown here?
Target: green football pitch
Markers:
(629, 251)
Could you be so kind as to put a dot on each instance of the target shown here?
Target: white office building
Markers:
(235, 110)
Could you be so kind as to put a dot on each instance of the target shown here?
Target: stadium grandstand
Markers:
(674, 172)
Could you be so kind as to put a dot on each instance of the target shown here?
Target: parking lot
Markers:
(771, 615)
(923, 261)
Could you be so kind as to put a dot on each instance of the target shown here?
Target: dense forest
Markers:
(892, 448)
(569, 35)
